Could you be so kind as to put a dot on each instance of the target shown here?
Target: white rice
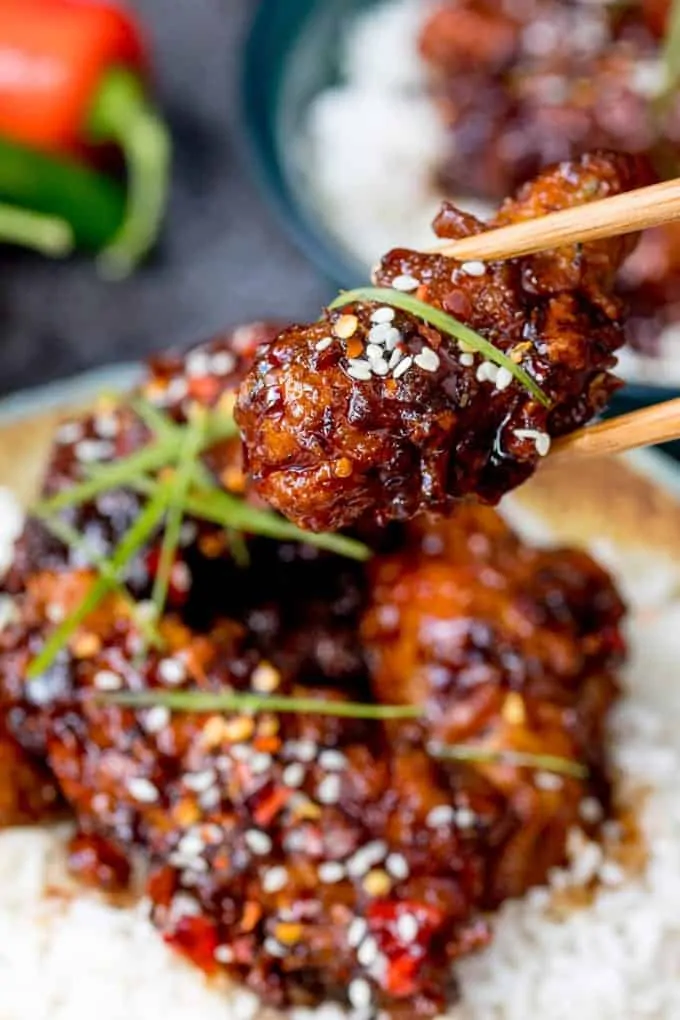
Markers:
(71, 956)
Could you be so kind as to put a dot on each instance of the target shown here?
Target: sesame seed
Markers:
(183, 905)
(305, 750)
(403, 367)
(487, 372)
(142, 790)
(374, 352)
(293, 775)
(384, 334)
(380, 368)
(331, 872)
(55, 613)
(383, 315)
(224, 954)
(90, 450)
(405, 283)
(393, 338)
(473, 268)
(274, 948)
(346, 326)
(465, 348)
(323, 344)
(191, 844)
(107, 680)
(395, 358)
(590, 810)
(360, 370)
(210, 799)
(541, 440)
(548, 781)
(198, 364)
(222, 363)
(329, 789)
(274, 880)
(504, 378)
(258, 842)
(407, 928)
(242, 752)
(106, 426)
(467, 360)
(199, 782)
(181, 578)
(260, 762)
(157, 719)
(367, 952)
(359, 993)
(465, 817)
(439, 816)
(428, 360)
(176, 391)
(332, 760)
(69, 432)
(172, 671)
(377, 882)
(365, 857)
(265, 678)
(356, 931)
(397, 866)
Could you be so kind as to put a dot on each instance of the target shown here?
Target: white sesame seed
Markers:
(331, 872)
(106, 426)
(222, 363)
(142, 790)
(90, 450)
(224, 954)
(397, 866)
(548, 781)
(393, 338)
(367, 952)
(69, 432)
(356, 931)
(383, 315)
(157, 719)
(395, 358)
(374, 352)
(293, 775)
(183, 905)
(260, 762)
(265, 678)
(504, 378)
(439, 816)
(428, 360)
(172, 671)
(54, 611)
(191, 844)
(403, 367)
(188, 533)
(365, 858)
(176, 391)
(181, 578)
(487, 372)
(258, 842)
(242, 752)
(305, 750)
(324, 344)
(198, 364)
(107, 680)
(541, 440)
(405, 283)
(408, 928)
(274, 948)
(199, 782)
(465, 817)
(332, 760)
(380, 368)
(359, 993)
(467, 360)
(329, 789)
(590, 810)
(274, 880)
(360, 370)
(210, 799)
(473, 268)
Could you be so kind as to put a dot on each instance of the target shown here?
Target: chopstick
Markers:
(635, 210)
(647, 427)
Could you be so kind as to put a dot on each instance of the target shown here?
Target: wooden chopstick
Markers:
(647, 427)
(609, 217)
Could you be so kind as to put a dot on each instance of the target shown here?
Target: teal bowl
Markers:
(290, 55)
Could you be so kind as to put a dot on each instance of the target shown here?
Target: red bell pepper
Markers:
(73, 82)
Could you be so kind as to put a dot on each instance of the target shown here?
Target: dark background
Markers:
(223, 259)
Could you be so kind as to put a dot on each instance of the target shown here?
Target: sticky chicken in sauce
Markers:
(308, 855)
(373, 412)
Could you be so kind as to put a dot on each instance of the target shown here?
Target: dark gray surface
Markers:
(223, 259)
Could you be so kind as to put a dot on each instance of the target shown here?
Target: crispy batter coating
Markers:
(509, 647)
(371, 412)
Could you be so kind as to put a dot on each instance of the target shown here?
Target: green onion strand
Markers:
(445, 324)
(516, 759)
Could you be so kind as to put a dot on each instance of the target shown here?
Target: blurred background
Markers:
(308, 137)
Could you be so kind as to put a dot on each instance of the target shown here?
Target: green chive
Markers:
(670, 53)
(141, 531)
(517, 759)
(177, 493)
(445, 324)
(204, 701)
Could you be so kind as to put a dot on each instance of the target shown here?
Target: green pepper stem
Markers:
(122, 114)
(46, 234)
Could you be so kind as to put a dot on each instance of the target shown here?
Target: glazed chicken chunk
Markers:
(373, 413)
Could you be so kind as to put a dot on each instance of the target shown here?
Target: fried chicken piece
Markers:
(510, 649)
(288, 850)
(371, 412)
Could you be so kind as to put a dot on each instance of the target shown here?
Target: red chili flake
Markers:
(404, 959)
(268, 808)
(196, 938)
(422, 292)
(205, 389)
